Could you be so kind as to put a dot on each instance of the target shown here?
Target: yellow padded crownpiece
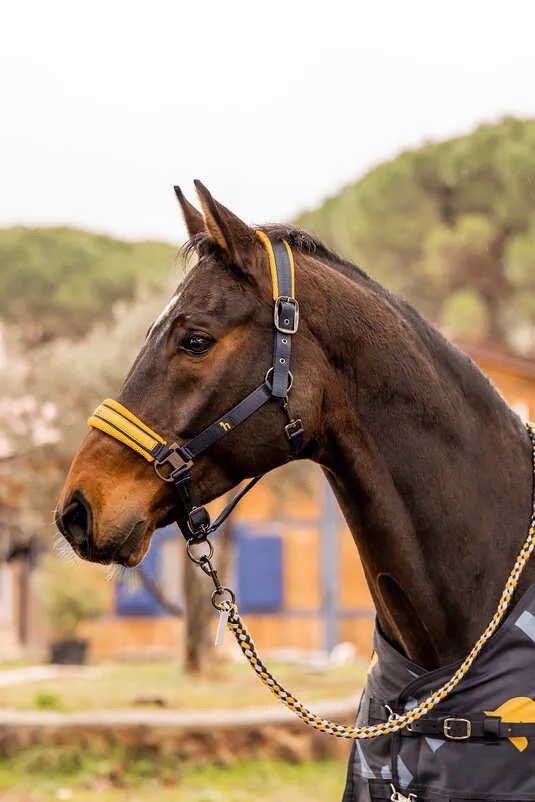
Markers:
(272, 265)
(118, 422)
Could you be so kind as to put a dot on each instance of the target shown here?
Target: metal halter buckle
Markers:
(450, 723)
(294, 428)
(198, 521)
(286, 326)
(175, 460)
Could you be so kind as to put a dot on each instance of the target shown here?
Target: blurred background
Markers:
(403, 135)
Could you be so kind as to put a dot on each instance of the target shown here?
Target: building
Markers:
(513, 375)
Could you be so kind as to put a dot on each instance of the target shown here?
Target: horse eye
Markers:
(196, 344)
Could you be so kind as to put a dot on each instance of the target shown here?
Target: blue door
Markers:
(259, 568)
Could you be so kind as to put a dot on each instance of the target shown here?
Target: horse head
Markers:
(210, 346)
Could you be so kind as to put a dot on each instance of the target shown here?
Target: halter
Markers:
(172, 463)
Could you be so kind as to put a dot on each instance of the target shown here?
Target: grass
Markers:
(122, 685)
(34, 778)
(68, 774)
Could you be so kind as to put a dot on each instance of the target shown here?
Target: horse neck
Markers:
(430, 466)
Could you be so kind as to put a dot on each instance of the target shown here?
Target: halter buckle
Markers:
(286, 320)
(175, 459)
(198, 521)
(294, 429)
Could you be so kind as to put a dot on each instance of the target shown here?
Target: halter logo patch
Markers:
(225, 426)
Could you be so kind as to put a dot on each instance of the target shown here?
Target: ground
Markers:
(47, 773)
(263, 781)
(164, 684)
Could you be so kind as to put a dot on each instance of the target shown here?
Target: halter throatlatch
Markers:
(172, 462)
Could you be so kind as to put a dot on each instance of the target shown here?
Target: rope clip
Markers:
(393, 718)
(397, 796)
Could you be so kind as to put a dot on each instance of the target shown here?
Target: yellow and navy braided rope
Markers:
(396, 722)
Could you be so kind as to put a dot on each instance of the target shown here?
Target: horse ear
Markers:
(225, 228)
(192, 217)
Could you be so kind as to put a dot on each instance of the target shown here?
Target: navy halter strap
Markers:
(172, 463)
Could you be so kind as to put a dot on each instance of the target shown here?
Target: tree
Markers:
(449, 221)
(59, 282)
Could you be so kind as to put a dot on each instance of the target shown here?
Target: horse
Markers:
(430, 466)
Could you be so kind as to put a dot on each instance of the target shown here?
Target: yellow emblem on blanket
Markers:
(519, 710)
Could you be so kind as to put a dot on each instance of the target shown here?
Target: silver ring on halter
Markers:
(290, 379)
(199, 560)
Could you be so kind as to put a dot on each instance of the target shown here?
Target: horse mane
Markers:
(297, 238)
(310, 245)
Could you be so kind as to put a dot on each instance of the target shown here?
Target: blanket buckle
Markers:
(453, 733)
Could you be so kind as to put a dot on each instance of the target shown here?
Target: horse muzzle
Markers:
(75, 522)
(111, 503)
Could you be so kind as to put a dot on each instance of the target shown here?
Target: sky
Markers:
(274, 106)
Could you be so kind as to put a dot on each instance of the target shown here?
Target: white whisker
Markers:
(120, 573)
(112, 572)
(63, 549)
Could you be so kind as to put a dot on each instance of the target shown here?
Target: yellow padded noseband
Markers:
(117, 421)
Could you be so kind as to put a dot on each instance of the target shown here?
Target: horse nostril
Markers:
(75, 521)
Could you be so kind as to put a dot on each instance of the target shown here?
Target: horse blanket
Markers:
(478, 744)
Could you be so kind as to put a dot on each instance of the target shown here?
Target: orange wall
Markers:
(146, 638)
(515, 388)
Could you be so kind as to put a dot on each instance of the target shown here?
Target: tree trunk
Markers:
(496, 331)
(483, 268)
(198, 636)
(496, 287)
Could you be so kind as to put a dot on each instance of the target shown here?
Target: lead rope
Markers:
(230, 617)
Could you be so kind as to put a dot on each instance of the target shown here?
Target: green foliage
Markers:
(69, 594)
(450, 216)
(121, 774)
(60, 281)
(47, 700)
(465, 313)
(121, 684)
